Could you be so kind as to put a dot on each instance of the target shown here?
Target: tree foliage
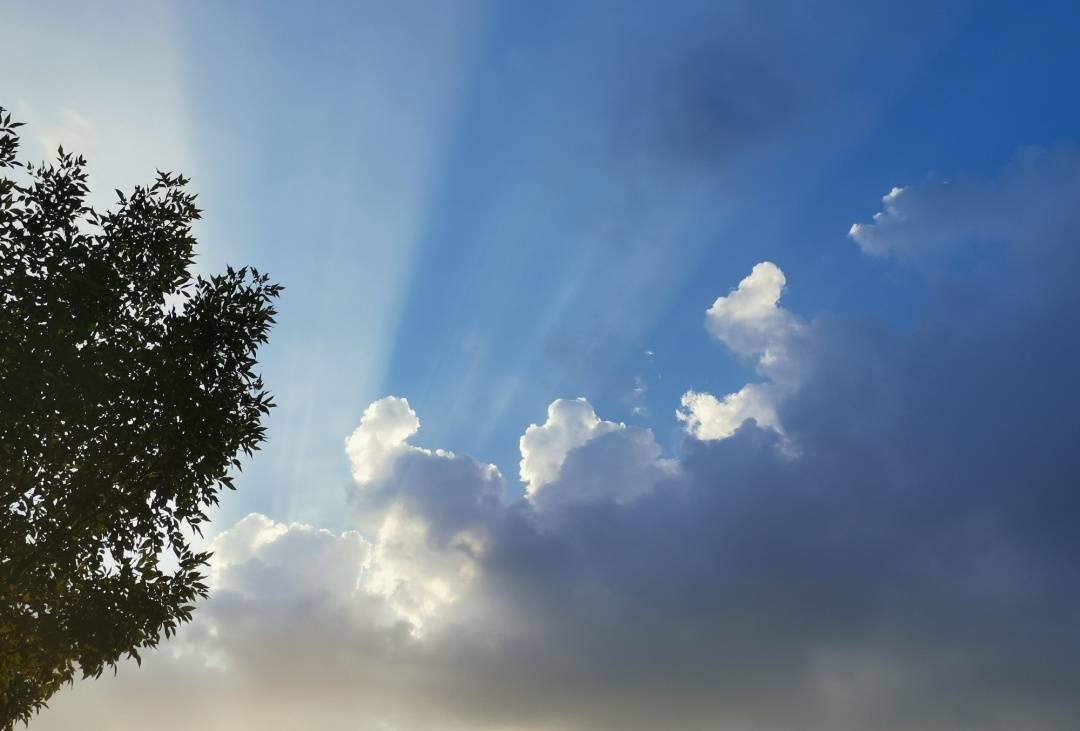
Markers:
(127, 393)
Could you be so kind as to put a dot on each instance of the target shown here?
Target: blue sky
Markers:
(486, 207)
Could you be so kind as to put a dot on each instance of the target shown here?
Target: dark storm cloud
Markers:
(912, 566)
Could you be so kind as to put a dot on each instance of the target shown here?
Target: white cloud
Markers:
(425, 508)
(417, 575)
(299, 556)
(380, 438)
(750, 322)
(570, 423)
(558, 473)
(707, 417)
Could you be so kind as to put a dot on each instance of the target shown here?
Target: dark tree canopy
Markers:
(127, 392)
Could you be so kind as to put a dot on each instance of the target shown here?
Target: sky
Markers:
(698, 365)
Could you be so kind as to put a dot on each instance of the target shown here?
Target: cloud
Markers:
(911, 565)
(380, 438)
(258, 540)
(748, 319)
(429, 512)
(570, 424)
(707, 417)
(622, 465)
(1027, 208)
(750, 322)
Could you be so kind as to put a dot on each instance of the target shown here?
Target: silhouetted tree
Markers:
(127, 393)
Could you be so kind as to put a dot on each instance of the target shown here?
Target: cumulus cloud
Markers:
(380, 438)
(428, 511)
(910, 567)
(257, 548)
(749, 320)
(570, 424)
(623, 464)
(707, 417)
(751, 323)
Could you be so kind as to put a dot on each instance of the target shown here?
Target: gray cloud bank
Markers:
(893, 549)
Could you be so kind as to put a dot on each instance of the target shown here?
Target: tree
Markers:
(127, 393)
